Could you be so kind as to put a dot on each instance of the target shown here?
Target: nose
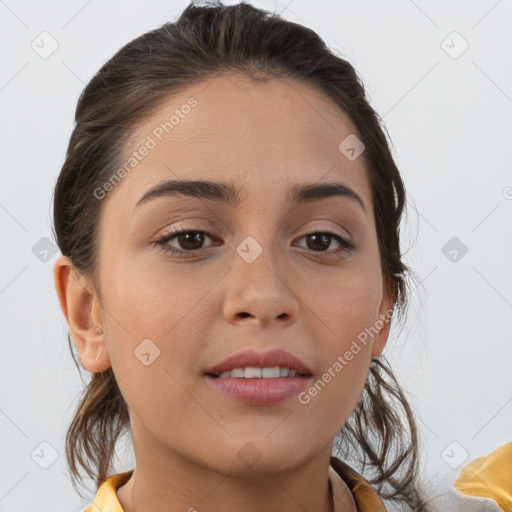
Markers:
(260, 292)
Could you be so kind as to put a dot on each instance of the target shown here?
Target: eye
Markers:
(319, 241)
(192, 240)
(189, 240)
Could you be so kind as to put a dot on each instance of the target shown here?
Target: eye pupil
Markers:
(192, 237)
(322, 239)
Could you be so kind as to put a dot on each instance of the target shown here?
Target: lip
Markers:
(269, 359)
(260, 391)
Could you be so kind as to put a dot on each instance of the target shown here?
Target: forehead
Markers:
(264, 136)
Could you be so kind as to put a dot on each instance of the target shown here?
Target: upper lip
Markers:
(270, 359)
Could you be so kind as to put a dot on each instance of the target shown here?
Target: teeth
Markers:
(250, 372)
(237, 372)
(270, 372)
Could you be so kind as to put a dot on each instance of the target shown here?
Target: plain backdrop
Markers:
(440, 76)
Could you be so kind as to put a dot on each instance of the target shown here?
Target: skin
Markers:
(265, 137)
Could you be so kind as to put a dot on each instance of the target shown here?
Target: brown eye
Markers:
(191, 240)
(185, 241)
(318, 241)
(321, 241)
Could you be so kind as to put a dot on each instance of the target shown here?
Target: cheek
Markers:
(346, 304)
(154, 340)
(341, 376)
(345, 313)
(153, 316)
(151, 297)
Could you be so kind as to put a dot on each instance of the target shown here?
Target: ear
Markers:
(383, 322)
(80, 305)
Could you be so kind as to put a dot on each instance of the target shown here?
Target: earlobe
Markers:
(82, 311)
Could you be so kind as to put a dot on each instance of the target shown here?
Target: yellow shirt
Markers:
(364, 495)
(489, 477)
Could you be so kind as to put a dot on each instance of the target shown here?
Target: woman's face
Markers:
(255, 278)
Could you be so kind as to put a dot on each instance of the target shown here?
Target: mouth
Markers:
(251, 364)
(259, 378)
(253, 372)
(255, 390)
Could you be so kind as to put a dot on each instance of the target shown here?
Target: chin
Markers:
(259, 458)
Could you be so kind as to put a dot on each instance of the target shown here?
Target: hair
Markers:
(208, 39)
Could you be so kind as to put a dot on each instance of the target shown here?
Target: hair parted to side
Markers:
(208, 39)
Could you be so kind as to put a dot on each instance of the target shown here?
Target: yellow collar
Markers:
(489, 477)
(365, 496)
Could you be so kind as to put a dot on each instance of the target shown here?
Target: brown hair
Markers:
(380, 436)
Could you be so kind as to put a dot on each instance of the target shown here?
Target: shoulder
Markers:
(489, 476)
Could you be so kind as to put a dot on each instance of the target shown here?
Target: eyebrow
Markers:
(230, 194)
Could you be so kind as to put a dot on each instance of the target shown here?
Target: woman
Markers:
(228, 215)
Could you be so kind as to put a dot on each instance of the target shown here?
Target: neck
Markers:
(181, 485)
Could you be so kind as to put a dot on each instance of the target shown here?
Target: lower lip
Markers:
(260, 391)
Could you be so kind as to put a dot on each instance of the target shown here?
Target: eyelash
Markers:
(161, 243)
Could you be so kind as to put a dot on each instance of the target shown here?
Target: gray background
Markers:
(448, 115)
